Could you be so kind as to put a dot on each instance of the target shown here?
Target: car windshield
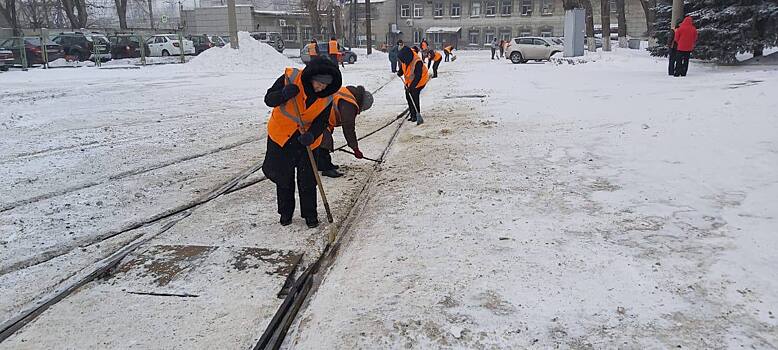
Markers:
(226, 39)
(172, 36)
(37, 41)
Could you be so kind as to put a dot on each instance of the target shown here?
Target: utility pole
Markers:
(368, 32)
(676, 14)
(151, 14)
(232, 21)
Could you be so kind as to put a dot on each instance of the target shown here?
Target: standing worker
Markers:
(393, 55)
(436, 57)
(348, 102)
(502, 48)
(424, 48)
(671, 51)
(332, 48)
(302, 103)
(448, 51)
(494, 47)
(313, 49)
(415, 77)
(685, 39)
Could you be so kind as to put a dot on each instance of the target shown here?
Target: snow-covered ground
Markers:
(586, 203)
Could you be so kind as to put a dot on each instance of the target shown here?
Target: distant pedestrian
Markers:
(671, 53)
(502, 48)
(424, 49)
(685, 38)
(393, 55)
(494, 47)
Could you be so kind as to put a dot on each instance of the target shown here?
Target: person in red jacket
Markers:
(685, 38)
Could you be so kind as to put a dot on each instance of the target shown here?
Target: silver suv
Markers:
(523, 49)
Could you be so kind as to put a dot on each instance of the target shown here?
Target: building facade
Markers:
(474, 23)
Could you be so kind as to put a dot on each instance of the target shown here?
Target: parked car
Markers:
(204, 42)
(167, 44)
(523, 49)
(126, 46)
(82, 45)
(347, 55)
(271, 38)
(33, 49)
(6, 59)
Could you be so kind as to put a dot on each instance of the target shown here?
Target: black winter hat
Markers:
(321, 66)
(405, 55)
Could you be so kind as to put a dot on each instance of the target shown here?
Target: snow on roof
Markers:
(271, 12)
(363, 1)
(444, 29)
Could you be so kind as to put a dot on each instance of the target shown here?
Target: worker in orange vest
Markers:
(415, 76)
(348, 102)
(448, 51)
(436, 57)
(333, 50)
(313, 48)
(302, 103)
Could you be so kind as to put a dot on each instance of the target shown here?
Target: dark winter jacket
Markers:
(406, 56)
(686, 35)
(275, 156)
(671, 39)
(393, 53)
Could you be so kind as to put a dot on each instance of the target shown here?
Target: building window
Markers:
(489, 37)
(613, 7)
(417, 36)
(434, 38)
(438, 9)
(547, 32)
(456, 9)
(491, 8)
(505, 34)
(289, 33)
(526, 7)
(475, 9)
(525, 31)
(473, 37)
(548, 8)
(307, 33)
(506, 7)
(418, 10)
(405, 10)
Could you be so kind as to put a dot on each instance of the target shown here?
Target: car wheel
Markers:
(3, 68)
(352, 59)
(165, 53)
(516, 57)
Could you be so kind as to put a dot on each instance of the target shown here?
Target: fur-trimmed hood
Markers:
(320, 65)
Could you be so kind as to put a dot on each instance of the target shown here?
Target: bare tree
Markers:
(649, 9)
(622, 18)
(121, 10)
(8, 10)
(605, 12)
(76, 12)
(313, 10)
(587, 5)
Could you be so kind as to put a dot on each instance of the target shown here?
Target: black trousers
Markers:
(323, 159)
(412, 96)
(447, 54)
(394, 65)
(682, 62)
(280, 166)
(334, 59)
(435, 69)
(671, 62)
(493, 51)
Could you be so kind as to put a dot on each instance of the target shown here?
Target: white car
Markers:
(167, 44)
(527, 48)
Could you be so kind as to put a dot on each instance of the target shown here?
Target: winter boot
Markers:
(419, 119)
(286, 220)
(312, 222)
(331, 173)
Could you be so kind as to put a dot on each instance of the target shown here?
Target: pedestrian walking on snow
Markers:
(494, 47)
(685, 39)
(671, 52)
(502, 48)
(347, 103)
(393, 55)
(302, 103)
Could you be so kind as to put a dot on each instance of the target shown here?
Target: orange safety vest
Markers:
(408, 71)
(345, 95)
(437, 57)
(284, 120)
(312, 49)
(333, 47)
(448, 49)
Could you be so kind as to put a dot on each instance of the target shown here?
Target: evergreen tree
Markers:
(726, 27)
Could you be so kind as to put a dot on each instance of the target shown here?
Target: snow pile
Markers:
(61, 62)
(251, 56)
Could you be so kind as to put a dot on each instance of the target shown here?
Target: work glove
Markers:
(399, 73)
(358, 153)
(305, 138)
(289, 91)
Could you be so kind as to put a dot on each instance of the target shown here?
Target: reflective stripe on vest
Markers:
(408, 72)
(342, 94)
(292, 115)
